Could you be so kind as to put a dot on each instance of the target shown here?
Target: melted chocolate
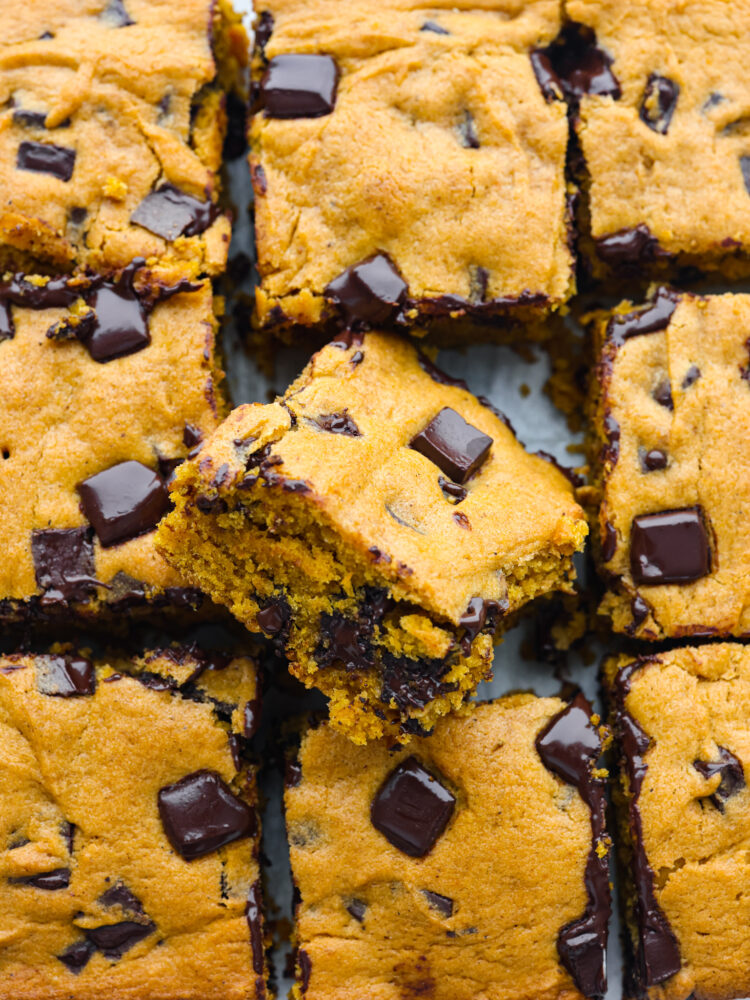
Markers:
(659, 102)
(263, 30)
(59, 878)
(479, 616)
(338, 423)
(691, 376)
(640, 611)
(575, 65)
(467, 132)
(569, 746)
(46, 158)
(443, 904)
(435, 28)
(649, 319)
(299, 86)
(629, 248)
(368, 293)
(657, 950)
(200, 814)
(609, 542)
(654, 460)
(412, 808)
(113, 940)
(454, 445)
(63, 564)
(452, 491)
(357, 909)
(65, 676)
(732, 776)
(169, 213)
(253, 915)
(76, 956)
(412, 684)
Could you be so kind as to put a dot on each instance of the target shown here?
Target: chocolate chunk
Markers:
(663, 394)
(632, 246)
(77, 955)
(51, 881)
(467, 131)
(200, 814)
(65, 676)
(299, 86)
(569, 746)
(169, 213)
(115, 15)
(253, 915)
(113, 940)
(118, 325)
(732, 776)
(77, 216)
(670, 546)
(548, 80)
(251, 718)
(412, 684)
(455, 446)
(45, 158)
(479, 282)
(479, 615)
(579, 65)
(63, 564)
(345, 641)
(453, 492)
(192, 436)
(263, 30)
(654, 460)
(691, 376)
(435, 28)
(640, 611)
(29, 119)
(609, 542)
(275, 617)
(653, 317)
(369, 292)
(659, 102)
(338, 423)
(357, 909)
(611, 450)
(120, 895)
(124, 501)
(305, 969)
(412, 808)
(443, 904)
(292, 773)
(462, 520)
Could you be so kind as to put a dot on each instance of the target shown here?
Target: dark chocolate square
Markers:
(412, 808)
(201, 813)
(455, 446)
(670, 546)
(124, 501)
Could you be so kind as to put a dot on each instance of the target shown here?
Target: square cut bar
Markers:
(472, 865)
(107, 386)
(318, 521)
(680, 721)
(663, 92)
(129, 837)
(407, 167)
(112, 120)
(670, 449)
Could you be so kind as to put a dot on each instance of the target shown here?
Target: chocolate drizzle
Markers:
(569, 746)
(657, 951)
(649, 319)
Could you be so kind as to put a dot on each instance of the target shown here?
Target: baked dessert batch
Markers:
(455, 170)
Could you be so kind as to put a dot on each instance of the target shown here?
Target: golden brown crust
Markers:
(463, 189)
(131, 95)
(701, 355)
(92, 816)
(278, 509)
(509, 866)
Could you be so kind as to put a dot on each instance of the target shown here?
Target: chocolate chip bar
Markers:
(129, 835)
(474, 864)
(670, 447)
(661, 96)
(378, 522)
(107, 386)
(112, 118)
(407, 167)
(684, 815)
